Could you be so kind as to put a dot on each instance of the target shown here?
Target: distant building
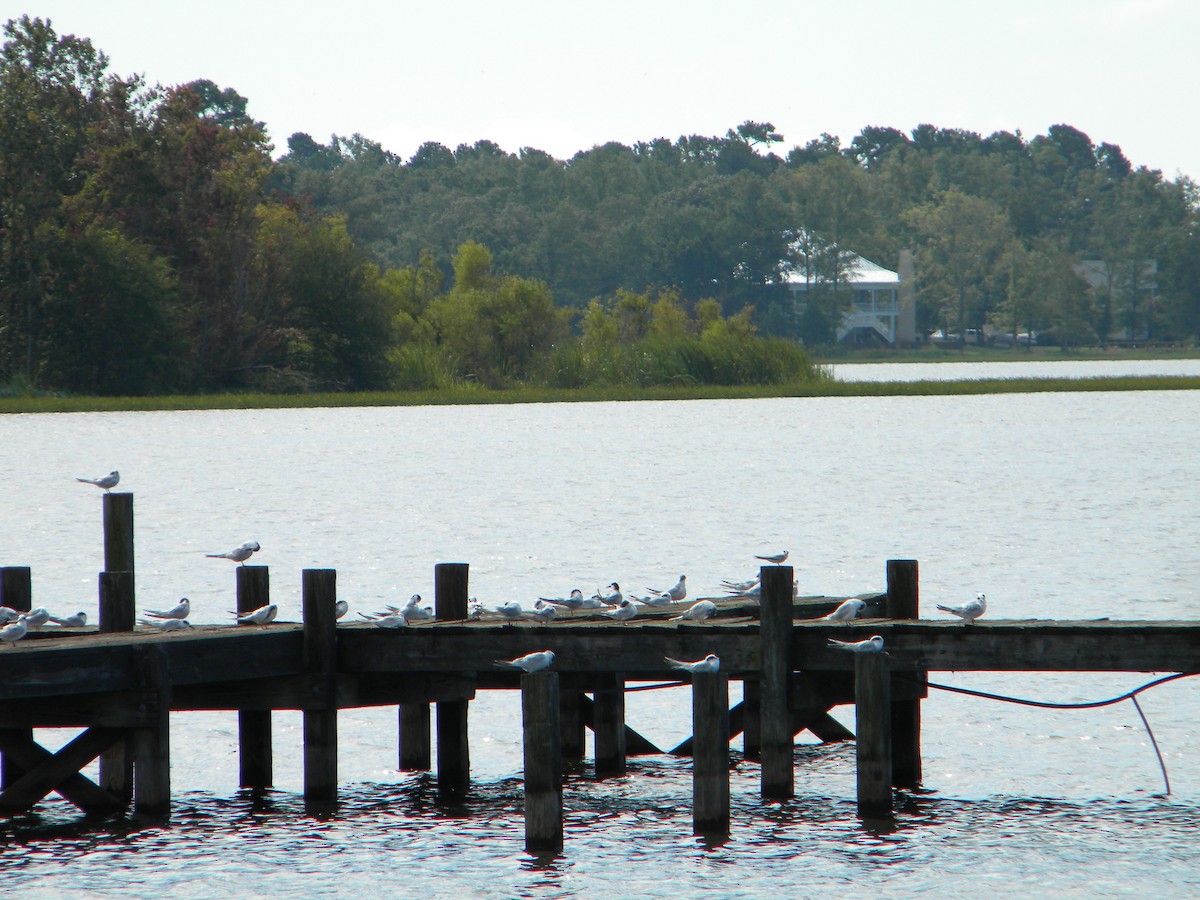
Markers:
(882, 303)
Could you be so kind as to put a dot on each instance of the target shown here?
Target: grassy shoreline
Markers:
(463, 396)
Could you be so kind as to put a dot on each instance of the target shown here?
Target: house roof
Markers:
(862, 272)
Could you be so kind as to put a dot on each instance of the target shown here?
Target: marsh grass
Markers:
(459, 395)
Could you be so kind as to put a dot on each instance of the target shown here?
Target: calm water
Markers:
(1043, 368)
(1056, 505)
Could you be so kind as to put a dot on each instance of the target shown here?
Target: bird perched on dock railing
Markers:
(611, 597)
(264, 615)
(575, 600)
(677, 593)
(75, 620)
(968, 612)
(873, 644)
(622, 612)
(700, 611)
(166, 624)
(108, 482)
(710, 663)
(846, 611)
(530, 662)
(180, 610)
(14, 631)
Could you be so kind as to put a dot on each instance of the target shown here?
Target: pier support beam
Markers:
(16, 592)
(453, 747)
(416, 745)
(752, 719)
(151, 744)
(873, 709)
(118, 532)
(255, 752)
(775, 678)
(710, 753)
(573, 729)
(117, 613)
(543, 762)
(608, 725)
(903, 602)
(319, 597)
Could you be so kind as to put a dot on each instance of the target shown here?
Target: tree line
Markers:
(149, 243)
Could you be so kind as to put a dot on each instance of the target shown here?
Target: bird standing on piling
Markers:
(530, 662)
(676, 593)
(108, 482)
(238, 554)
(710, 663)
(13, 632)
(699, 611)
(846, 611)
(873, 644)
(968, 612)
(774, 558)
(180, 610)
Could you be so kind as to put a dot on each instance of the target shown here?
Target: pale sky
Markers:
(564, 76)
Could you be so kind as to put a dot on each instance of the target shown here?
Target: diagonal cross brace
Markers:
(46, 771)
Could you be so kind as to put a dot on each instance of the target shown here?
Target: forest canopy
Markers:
(150, 242)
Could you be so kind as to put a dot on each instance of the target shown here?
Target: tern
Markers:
(543, 612)
(166, 624)
(874, 644)
(394, 620)
(698, 612)
(968, 612)
(108, 482)
(510, 610)
(530, 662)
(75, 621)
(340, 609)
(413, 613)
(10, 634)
(676, 593)
(180, 610)
(775, 558)
(612, 598)
(710, 663)
(623, 612)
(575, 601)
(238, 554)
(37, 617)
(261, 616)
(8, 614)
(739, 587)
(663, 599)
(846, 611)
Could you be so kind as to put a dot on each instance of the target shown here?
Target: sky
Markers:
(565, 76)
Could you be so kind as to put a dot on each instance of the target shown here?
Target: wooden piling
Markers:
(319, 596)
(903, 602)
(118, 532)
(415, 738)
(573, 729)
(151, 743)
(543, 762)
(255, 752)
(608, 725)
(710, 753)
(450, 582)
(751, 719)
(775, 678)
(16, 592)
(873, 709)
(117, 613)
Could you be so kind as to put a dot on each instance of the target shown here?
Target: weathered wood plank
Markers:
(775, 678)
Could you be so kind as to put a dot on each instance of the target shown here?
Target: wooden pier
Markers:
(120, 685)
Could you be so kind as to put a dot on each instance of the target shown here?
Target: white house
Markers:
(881, 300)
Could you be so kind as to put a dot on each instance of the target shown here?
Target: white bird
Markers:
(710, 663)
(413, 600)
(166, 624)
(37, 617)
(510, 610)
(108, 482)
(590, 603)
(676, 593)
(73, 621)
(663, 599)
(846, 611)
(238, 554)
(739, 587)
(8, 614)
(543, 612)
(612, 598)
(10, 634)
(874, 644)
(775, 558)
(340, 609)
(394, 620)
(180, 610)
(754, 591)
(698, 612)
(414, 613)
(261, 616)
(530, 662)
(575, 601)
(623, 612)
(968, 612)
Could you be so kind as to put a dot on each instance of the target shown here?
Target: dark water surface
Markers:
(1055, 505)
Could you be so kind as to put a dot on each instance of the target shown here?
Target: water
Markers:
(1056, 505)
(1041, 368)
